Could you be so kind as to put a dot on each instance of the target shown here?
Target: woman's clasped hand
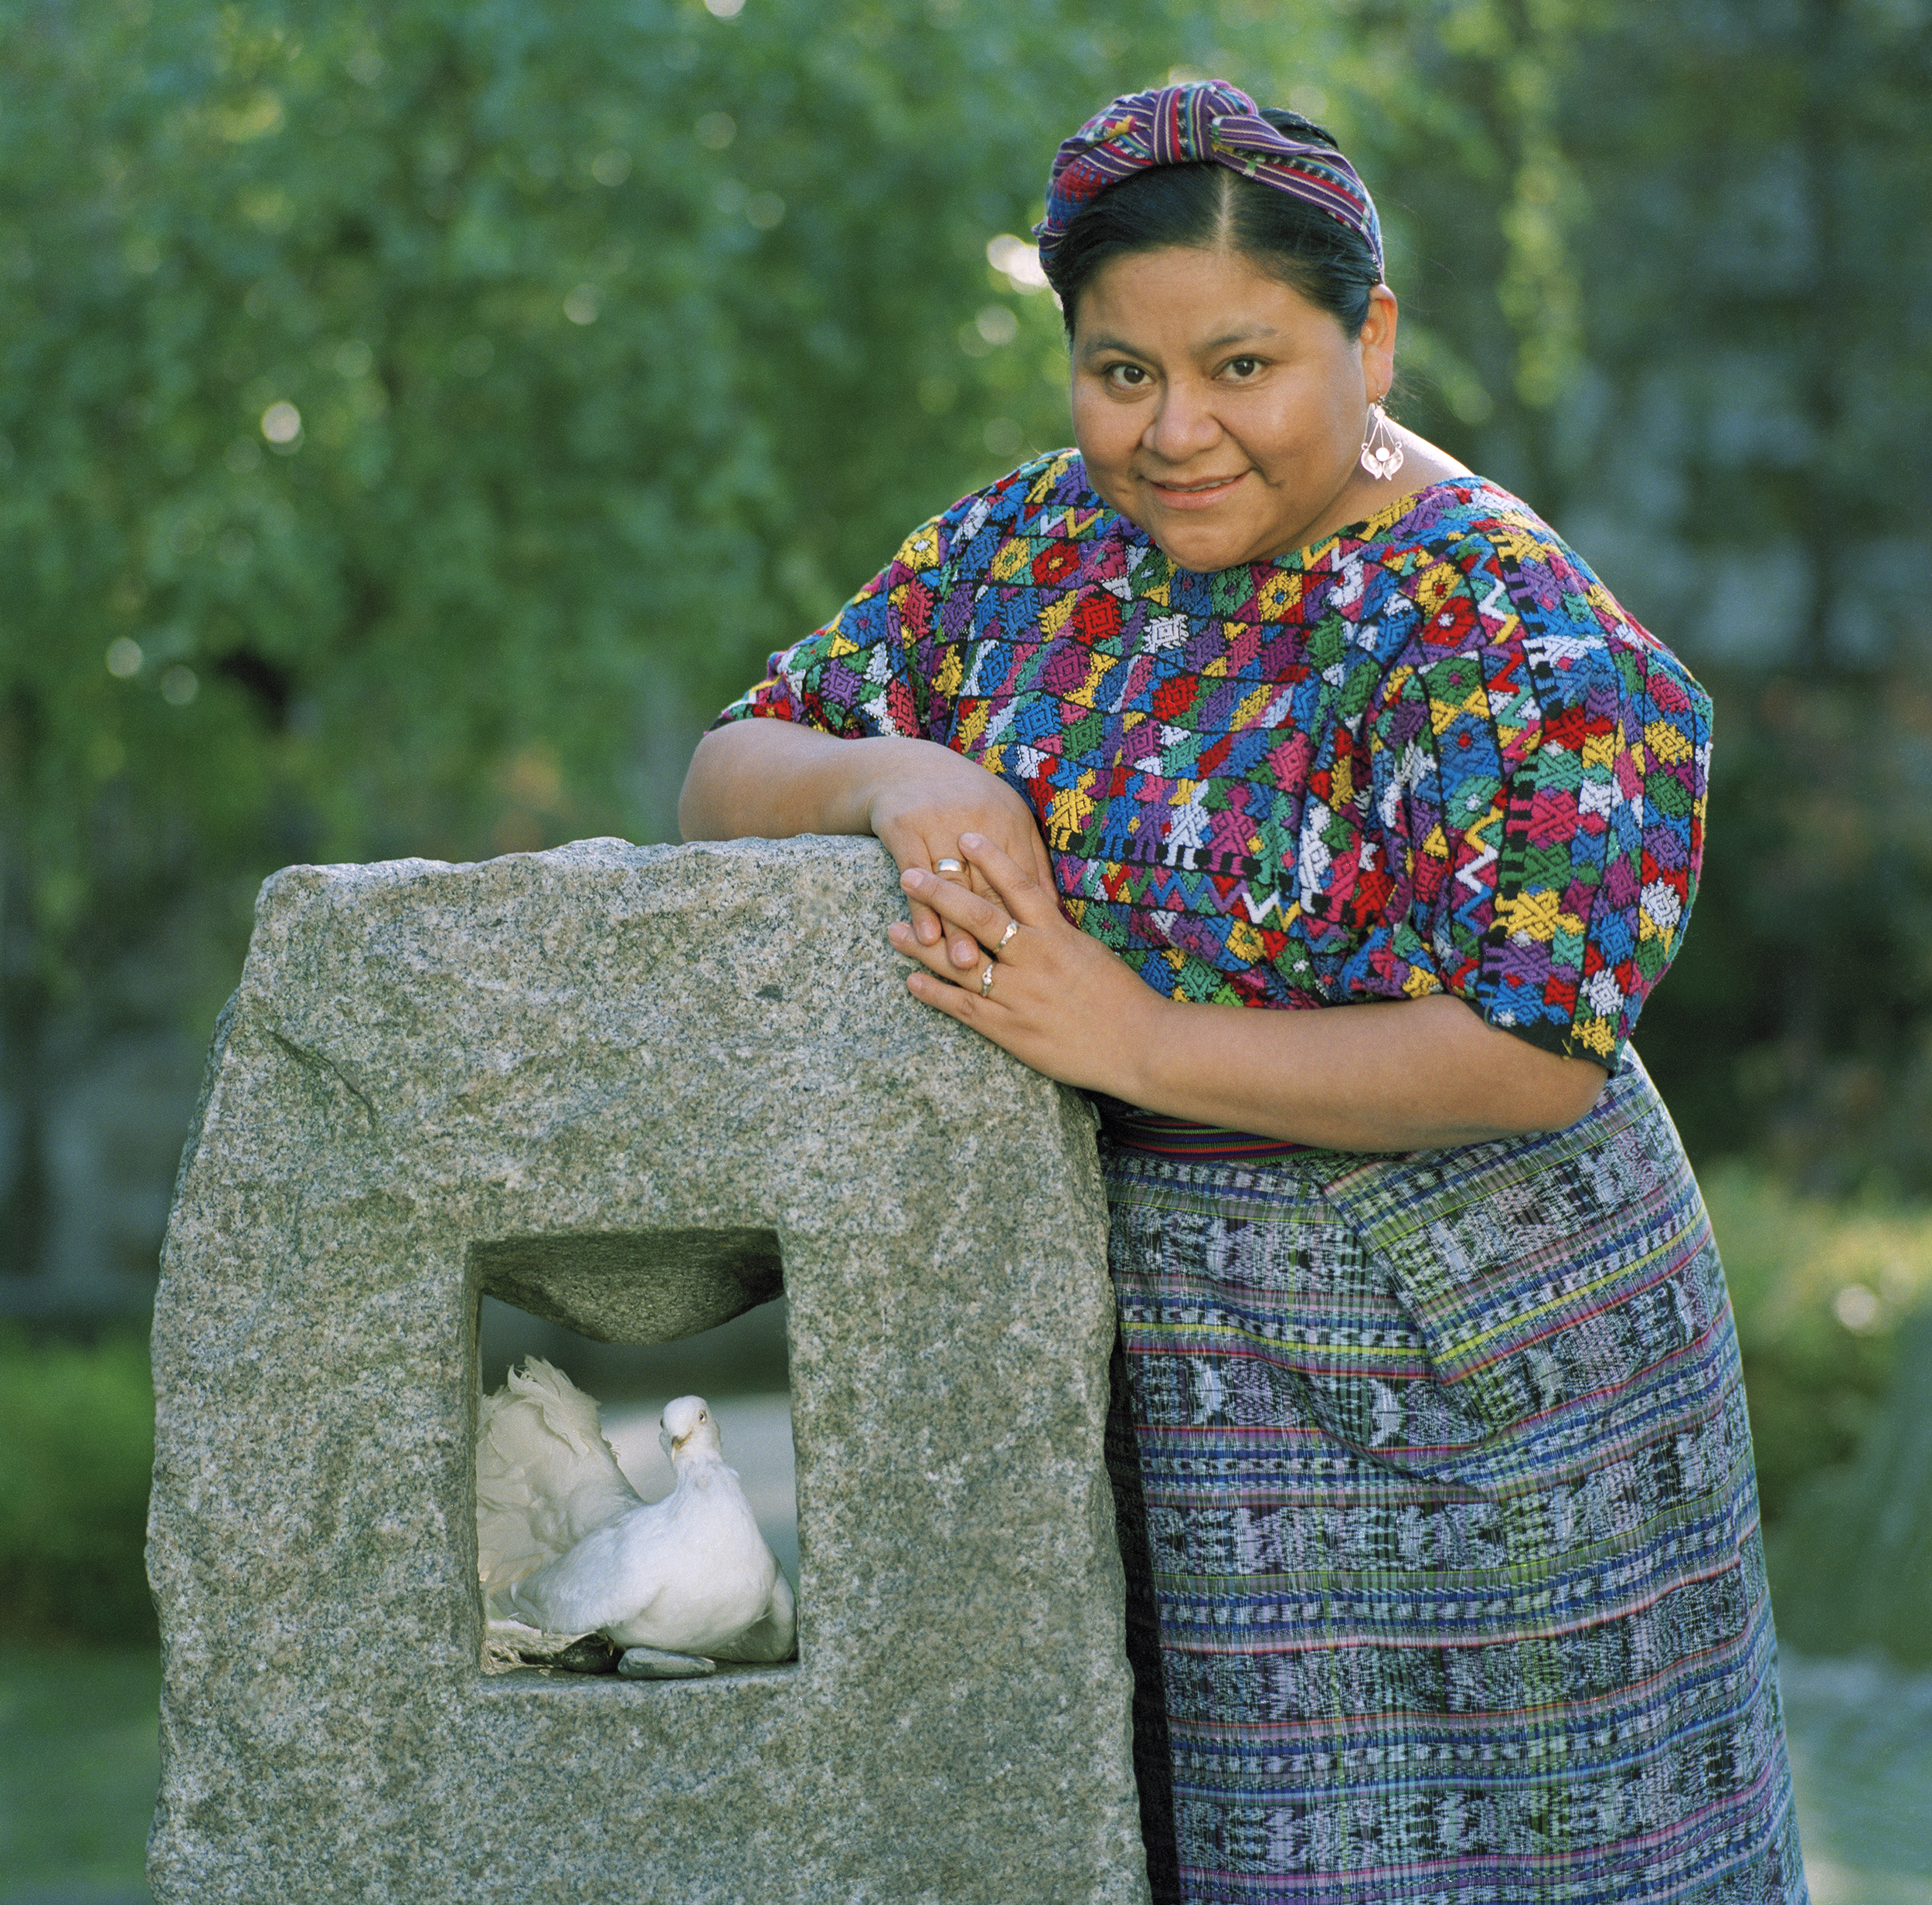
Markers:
(1052, 989)
(918, 811)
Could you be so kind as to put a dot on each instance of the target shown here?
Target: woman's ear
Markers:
(1378, 341)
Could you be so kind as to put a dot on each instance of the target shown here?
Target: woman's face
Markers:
(1221, 411)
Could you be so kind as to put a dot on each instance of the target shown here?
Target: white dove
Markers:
(566, 1544)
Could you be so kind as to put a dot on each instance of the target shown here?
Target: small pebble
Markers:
(653, 1663)
(591, 1653)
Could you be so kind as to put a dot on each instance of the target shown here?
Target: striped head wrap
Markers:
(1205, 121)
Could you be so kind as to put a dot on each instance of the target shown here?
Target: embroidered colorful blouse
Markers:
(1430, 752)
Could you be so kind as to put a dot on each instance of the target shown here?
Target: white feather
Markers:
(545, 1478)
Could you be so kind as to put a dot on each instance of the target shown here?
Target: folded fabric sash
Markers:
(1164, 1137)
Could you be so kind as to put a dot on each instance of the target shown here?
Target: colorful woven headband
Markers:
(1207, 120)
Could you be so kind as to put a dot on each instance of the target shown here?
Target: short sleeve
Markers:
(859, 675)
(1549, 787)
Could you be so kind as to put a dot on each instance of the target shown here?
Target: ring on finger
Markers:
(1012, 927)
(948, 866)
(986, 980)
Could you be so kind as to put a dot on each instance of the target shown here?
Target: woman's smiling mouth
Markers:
(1196, 495)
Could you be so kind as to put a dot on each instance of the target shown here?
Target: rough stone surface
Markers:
(630, 1088)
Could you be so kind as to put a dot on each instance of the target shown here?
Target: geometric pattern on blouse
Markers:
(1430, 752)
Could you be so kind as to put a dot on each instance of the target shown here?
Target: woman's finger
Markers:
(962, 1001)
(973, 921)
(938, 960)
(926, 923)
(951, 868)
(1017, 890)
(946, 865)
(926, 836)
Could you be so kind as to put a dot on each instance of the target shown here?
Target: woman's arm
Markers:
(1399, 1075)
(770, 780)
(1396, 1076)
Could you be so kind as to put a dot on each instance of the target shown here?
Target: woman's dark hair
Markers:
(1210, 207)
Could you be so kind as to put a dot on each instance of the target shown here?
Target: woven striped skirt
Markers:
(1435, 1487)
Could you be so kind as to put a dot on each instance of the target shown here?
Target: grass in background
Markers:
(1820, 1290)
(79, 1762)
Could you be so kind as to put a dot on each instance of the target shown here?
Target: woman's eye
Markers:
(1126, 376)
(1242, 366)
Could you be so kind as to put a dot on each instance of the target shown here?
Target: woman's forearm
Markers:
(1399, 1077)
(771, 779)
(1403, 1075)
(1396, 1076)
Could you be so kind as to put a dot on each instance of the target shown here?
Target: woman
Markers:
(1444, 1574)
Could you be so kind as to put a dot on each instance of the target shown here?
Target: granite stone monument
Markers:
(637, 1090)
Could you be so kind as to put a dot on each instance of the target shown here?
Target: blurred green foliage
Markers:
(1821, 1292)
(417, 418)
(77, 1428)
(79, 1762)
(429, 399)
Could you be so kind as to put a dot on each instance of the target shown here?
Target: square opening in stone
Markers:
(649, 1304)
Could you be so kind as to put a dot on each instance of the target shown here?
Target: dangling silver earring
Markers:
(1381, 447)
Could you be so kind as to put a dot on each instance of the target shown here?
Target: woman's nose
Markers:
(1183, 424)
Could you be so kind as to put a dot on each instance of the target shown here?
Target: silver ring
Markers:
(948, 866)
(1012, 927)
(986, 980)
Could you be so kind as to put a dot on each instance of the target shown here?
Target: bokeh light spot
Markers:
(124, 657)
(997, 325)
(583, 304)
(765, 209)
(1002, 436)
(611, 168)
(179, 685)
(716, 130)
(1017, 261)
(282, 423)
(518, 833)
(724, 9)
(1856, 1308)
(533, 778)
